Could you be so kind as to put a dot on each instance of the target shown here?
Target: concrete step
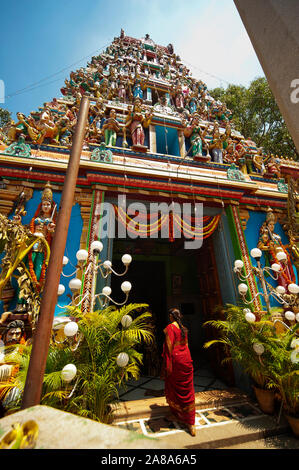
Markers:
(224, 419)
(157, 406)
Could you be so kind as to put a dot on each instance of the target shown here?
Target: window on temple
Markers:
(167, 141)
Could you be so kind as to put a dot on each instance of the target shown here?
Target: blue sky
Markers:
(46, 40)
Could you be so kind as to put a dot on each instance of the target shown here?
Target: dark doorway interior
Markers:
(148, 281)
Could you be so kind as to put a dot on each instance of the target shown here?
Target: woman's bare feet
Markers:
(192, 429)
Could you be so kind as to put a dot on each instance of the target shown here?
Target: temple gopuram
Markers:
(155, 136)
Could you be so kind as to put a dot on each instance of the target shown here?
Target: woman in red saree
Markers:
(178, 371)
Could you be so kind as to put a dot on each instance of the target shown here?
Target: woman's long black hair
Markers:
(178, 317)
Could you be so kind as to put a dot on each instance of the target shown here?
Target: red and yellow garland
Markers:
(209, 224)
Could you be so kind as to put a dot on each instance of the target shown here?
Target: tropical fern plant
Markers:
(284, 370)
(241, 337)
(93, 393)
(270, 365)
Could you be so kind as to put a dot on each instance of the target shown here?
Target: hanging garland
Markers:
(209, 224)
(197, 232)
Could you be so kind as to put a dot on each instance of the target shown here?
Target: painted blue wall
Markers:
(72, 245)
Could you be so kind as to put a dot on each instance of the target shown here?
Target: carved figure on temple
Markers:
(231, 155)
(137, 90)
(121, 90)
(197, 135)
(258, 161)
(192, 103)
(42, 225)
(273, 166)
(22, 126)
(216, 144)
(179, 97)
(270, 243)
(111, 129)
(14, 340)
(13, 333)
(47, 128)
(136, 122)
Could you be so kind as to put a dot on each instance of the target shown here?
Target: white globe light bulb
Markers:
(71, 328)
(68, 372)
(258, 348)
(295, 356)
(280, 290)
(297, 317)
(250, 317)
(126, 286)
(256, 253)
(242, 288)
(293, 288)
(126, 321)
(275, 267)
(96, 246)
(126, 259)
(107, 264)
(122, 359)
(239, 264)
(61, 289)
(281, 256)
(75, 284)
(290, 315)
(82, 255)
(106, 290)
(65, 260)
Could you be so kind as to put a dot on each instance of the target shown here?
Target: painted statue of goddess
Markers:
(270, 242)
(43, 225)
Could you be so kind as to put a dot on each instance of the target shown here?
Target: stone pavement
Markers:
(225, 419)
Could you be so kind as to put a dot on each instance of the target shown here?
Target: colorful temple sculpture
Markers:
(155, 139)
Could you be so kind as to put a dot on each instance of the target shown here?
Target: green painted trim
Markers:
(90, 219)
(100, 224)
(233, 232)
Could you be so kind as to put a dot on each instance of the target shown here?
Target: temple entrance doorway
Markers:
(164, 275)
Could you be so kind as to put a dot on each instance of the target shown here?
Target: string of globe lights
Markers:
(66, 330)
(96, 266)
(287, 298)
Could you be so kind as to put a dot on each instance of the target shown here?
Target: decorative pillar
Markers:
(152, 138)
(182, 143)
(92, 234)
(241, 252)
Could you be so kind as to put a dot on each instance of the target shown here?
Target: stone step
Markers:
(221, 428)
(158, 406)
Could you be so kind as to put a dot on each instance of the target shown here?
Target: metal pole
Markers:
(41, 339)
(263, 283)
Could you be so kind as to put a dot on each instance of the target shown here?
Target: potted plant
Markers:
(284, 373)
(249, 342)
(84, 378)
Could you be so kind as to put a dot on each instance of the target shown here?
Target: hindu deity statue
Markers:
(137, 90)
(43, 226)
(24, 126)
(197, 135)
(179, 97)
(110, 128)
(270, 243)
(136, 122)
(14, 339)
(216, 144)
(273, 166)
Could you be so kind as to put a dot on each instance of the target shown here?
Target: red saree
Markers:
(178, 375)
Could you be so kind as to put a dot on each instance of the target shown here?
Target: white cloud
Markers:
(217, 43)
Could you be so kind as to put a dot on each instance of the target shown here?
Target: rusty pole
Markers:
(41, 339)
